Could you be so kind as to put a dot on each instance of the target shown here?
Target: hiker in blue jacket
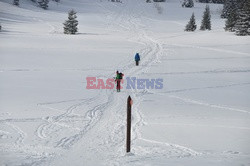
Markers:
(137, 59)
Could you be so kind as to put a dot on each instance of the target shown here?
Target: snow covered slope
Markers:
(48, 117)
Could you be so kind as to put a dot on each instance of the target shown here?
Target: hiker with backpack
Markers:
(118, 80)
(137, 59)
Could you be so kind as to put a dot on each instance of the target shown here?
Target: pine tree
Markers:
(228, 7)
(232, 18)
(218, 1)
(225, 10)
(188, 3)
(43, 3)
(16, 2)
(70, 25)
(212, 1)
(206, 20)
(204, 1)
(242, 26)
(191, 26)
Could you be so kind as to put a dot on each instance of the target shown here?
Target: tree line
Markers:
(41, 3)
(237, 15)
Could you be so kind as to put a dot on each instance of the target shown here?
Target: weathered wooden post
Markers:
(129, 105)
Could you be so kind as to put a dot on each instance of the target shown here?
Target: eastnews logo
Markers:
(131, 83)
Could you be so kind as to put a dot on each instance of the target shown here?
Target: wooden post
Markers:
(129, 105)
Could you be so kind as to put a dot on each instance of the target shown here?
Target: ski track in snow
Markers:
(210, 105)
(203, 103)
(208, 48)
(94, 115)
(219, 71)
(208, 87)
(189, 151)
(21, 135)
(55, 120)
(200, 125)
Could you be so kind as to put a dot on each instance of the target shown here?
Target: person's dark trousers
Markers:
(137, 63)
(118, 87)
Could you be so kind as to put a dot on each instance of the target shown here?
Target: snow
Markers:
(48, 117)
